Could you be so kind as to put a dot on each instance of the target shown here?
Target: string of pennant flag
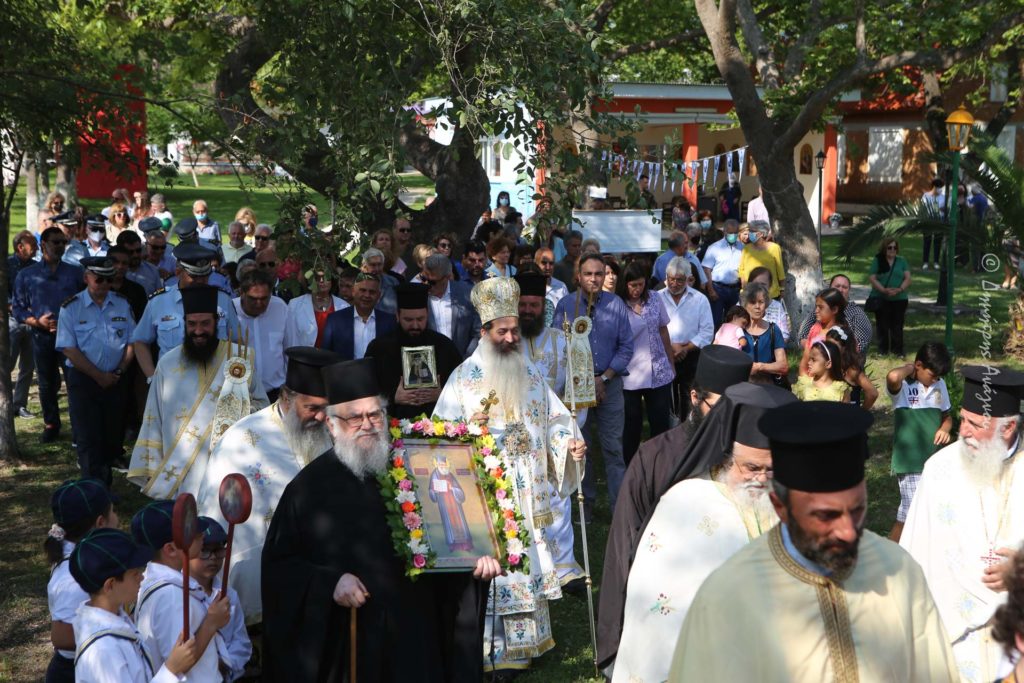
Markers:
(694, 172)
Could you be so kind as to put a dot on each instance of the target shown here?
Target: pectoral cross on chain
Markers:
(991, 559)
(491, 400)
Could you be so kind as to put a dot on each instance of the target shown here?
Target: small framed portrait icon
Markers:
(456, 519)
(419, 367)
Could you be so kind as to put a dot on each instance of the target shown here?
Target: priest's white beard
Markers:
(983, 461)
(363, 456)
(750, 496)
(306, 441)
(505, 373)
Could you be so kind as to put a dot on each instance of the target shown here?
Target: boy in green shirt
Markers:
(921, 406)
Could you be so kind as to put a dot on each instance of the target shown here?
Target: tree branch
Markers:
(764, 56)
(658, 44)
(600, 14)
(936, 59)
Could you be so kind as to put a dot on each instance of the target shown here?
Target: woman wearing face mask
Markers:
(504, 200)
(760, 252)
(709, 234)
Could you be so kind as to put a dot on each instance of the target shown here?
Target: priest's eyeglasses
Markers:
(753, 470)
(375, 417)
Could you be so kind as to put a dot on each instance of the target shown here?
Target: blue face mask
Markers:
(200, 217)
(731, 238)
(705, 225)
(503, 201)
(754, 237)
(313, 220)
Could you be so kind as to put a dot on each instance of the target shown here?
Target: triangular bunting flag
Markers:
(742, 153)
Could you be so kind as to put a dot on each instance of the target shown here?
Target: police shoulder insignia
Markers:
(158, 292)
(67, 302)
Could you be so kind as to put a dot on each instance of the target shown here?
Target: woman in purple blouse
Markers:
(650, 372)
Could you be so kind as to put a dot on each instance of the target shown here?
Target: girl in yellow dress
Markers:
(824, 378)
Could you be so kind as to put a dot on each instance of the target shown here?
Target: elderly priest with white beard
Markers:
(967, 518)
(269, 448)
(817, 598)
(697, 525)
(533, 431)
(329, 549)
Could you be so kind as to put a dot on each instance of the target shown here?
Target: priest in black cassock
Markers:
(657, 465)
(329, 549)
(412, 331)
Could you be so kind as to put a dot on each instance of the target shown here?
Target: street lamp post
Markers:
(819, 161)
(958, 128)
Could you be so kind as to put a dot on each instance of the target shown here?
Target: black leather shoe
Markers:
(50, 434)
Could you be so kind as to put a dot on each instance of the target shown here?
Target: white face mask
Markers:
(96, 235)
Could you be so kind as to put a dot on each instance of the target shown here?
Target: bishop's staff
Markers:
(571, 390)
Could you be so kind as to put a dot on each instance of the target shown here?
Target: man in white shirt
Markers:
(262, 317)
(690, 328)
(756, 210)
(451, 311)
(236, 247)
(556, 289)
(721, 264)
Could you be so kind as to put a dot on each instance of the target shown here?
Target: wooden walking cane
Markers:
(571, 390)
(235, 497)
(352, 644)
(184, 527)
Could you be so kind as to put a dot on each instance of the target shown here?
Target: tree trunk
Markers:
(9, 452)
(794, 231)
(65, 174)
(43, 173)
(31, 194)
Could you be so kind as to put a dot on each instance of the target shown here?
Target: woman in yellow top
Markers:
(760, 252)
(824, 381)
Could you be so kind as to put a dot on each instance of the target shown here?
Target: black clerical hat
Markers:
(411, 296)
(719, 367)
(304, 374)
(751, 402)
(101, 265)
(531, 284)
(350, 380)
(199, 299)
(991, 390)
(818, 446)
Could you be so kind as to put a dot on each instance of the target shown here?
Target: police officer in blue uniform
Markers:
(71, 222)
(163, 321)
(187, 231)
(94, 333)
(38, 292)
(96, 243)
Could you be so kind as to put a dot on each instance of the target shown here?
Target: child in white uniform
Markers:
(107, 565)
(78, 507)
(158, 610)
(206, 569)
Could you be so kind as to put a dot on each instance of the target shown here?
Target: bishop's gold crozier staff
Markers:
(571, 388)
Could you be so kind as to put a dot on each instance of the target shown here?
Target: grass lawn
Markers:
(25, 491)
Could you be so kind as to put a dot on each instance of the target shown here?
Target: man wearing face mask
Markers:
(721, 265)
(38, 292)
(207, 228)
(678, 245)
(96, 243)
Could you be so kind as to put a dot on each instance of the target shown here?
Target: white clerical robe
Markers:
(951, 529)
(541, 475)
(173, 447)
(256, 447)
(696, 527)
(762, 616)
(547, 351)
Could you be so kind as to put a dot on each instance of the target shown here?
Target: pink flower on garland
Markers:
(413, 521)
(419, 561)
(514, 560)
(500, 494)
(405, 485)
(397, 443)
(485, 451)
(424, 426)
(511, 526)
